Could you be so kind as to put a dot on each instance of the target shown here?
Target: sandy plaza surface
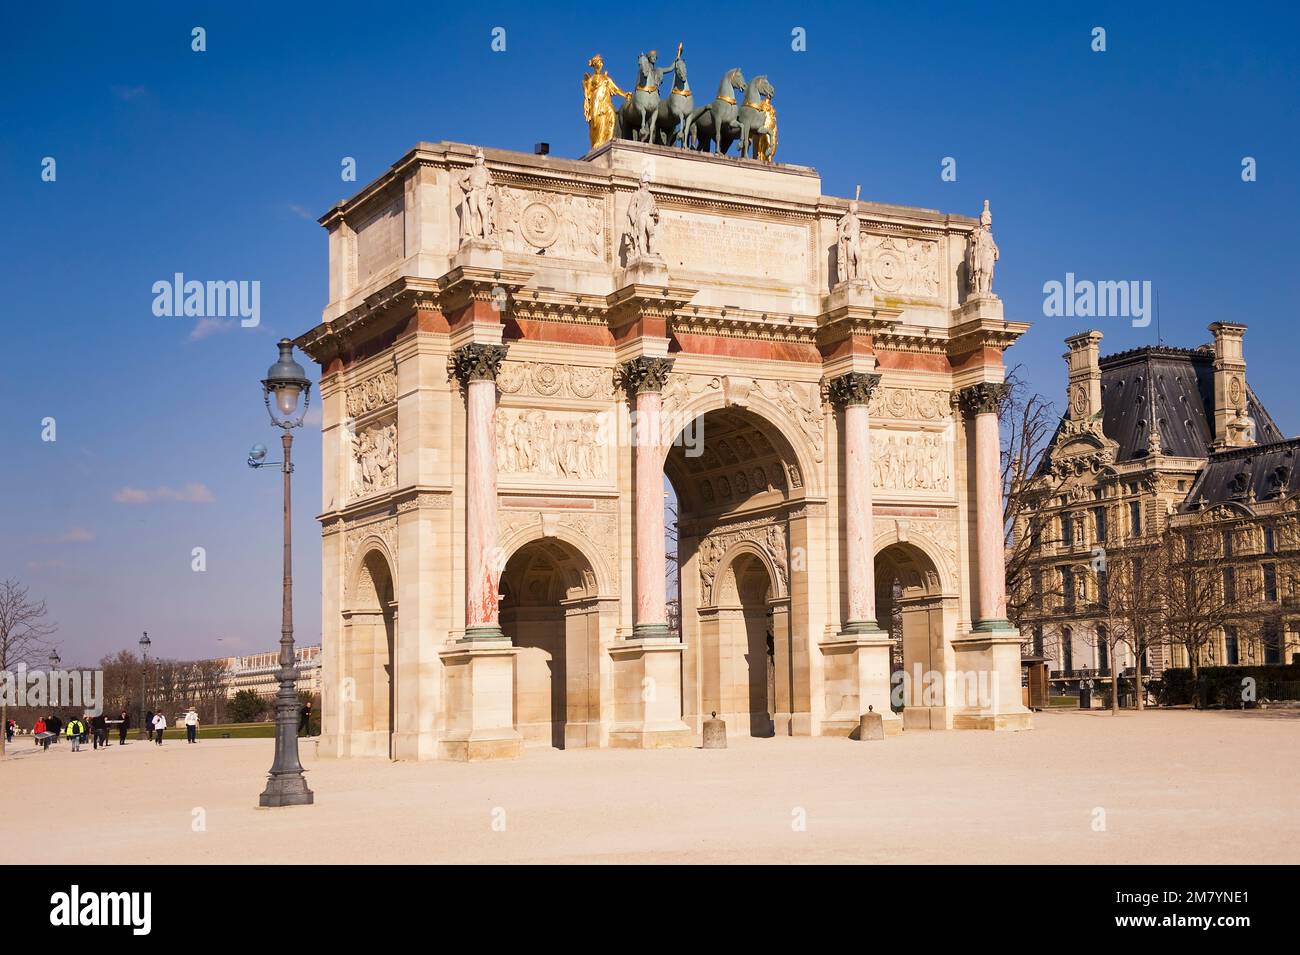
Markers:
(1155, 787)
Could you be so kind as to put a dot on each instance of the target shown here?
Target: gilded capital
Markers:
(476, 362)
(855, 388)
(984, 398)
(644, 375)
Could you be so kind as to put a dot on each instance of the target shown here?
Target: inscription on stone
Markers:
(731, 246)
(380, 241)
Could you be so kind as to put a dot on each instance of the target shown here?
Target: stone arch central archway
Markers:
(551, 611)
(740, 483)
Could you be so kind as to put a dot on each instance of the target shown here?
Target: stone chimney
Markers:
(1084, 364)
(1232, 428)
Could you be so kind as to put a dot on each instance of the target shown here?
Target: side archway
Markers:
(366, 697)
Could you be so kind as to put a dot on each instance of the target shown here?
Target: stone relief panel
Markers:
(558, 224)
(903, 266)
(374, 458)
(919, 461)
(748, 248)
(769, 536)
(916, 403)
(547, 380)
(371, 394)
(552, 444)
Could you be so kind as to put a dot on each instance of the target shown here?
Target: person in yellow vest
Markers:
(74, 731)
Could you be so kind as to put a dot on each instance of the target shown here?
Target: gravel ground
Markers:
(1155, 787)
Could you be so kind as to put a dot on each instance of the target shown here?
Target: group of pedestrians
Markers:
(95, 729)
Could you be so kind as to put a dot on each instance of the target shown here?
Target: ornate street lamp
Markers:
(144, 668)
(54, 659)
(285, 382)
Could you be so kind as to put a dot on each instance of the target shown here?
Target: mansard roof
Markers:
(1250, 475)
(1176, 386)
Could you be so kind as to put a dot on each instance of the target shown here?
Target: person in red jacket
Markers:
(37, 730)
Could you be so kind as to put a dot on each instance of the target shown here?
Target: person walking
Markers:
(9, 731)
(54, 725)
(73, 731)
(159, 725)
(304, 722)
(191, 725)
(39, 729)
(99, 729)
(123, 724)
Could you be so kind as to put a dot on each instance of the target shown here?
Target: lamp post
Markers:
(54, 659)
(286, 382)
(144, 669)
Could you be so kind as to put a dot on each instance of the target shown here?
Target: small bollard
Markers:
(872, 725)
(715, 733)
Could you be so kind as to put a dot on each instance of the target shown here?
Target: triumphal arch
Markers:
(525, 358)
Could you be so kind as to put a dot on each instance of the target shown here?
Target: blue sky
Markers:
(1117, 165)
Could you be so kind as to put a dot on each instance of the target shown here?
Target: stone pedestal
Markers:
(480, 703)
(856, 674)
(648, 695)
(643, 270)
(984, 689)
(479, 254)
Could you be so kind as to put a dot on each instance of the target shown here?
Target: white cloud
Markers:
(192, 493)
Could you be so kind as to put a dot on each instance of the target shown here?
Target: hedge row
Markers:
(1226, 686)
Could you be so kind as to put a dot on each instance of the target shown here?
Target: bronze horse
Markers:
(717, 122)
(638, 115)
(675, 112)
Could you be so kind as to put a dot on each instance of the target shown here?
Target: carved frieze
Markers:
(372, 393)
(552, 444)
(915, 403)
(920, 461)
(547, 380)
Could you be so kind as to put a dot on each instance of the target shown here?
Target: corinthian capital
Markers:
(644, 374)
(855, 388)
(984, 398)
(476, 362)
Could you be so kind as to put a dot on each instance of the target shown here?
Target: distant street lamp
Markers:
(54, 659)
(285, 382)
(144, 666)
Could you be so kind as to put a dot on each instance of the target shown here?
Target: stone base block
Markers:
(639, 737)
(1003, 722)
(481, 749)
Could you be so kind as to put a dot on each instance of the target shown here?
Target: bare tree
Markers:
(1028, 424)
(672, 571)
(1130, 605)
(1188, 571)
(24, 631)
(210, 685)
(121, 681)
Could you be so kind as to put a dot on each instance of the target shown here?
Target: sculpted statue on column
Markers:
(849, 263)
(598, 91)
(981, 254)
(478, 204)
(642, 222)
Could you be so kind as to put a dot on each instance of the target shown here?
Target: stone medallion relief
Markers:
(903, 266)
(551, 223)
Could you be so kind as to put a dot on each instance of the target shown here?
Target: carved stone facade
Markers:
(496, 549)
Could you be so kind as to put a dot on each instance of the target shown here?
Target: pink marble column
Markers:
(476, 365)
(980, 402)
(852, 392)
(644, 378)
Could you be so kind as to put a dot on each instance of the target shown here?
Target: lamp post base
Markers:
(288, 790)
